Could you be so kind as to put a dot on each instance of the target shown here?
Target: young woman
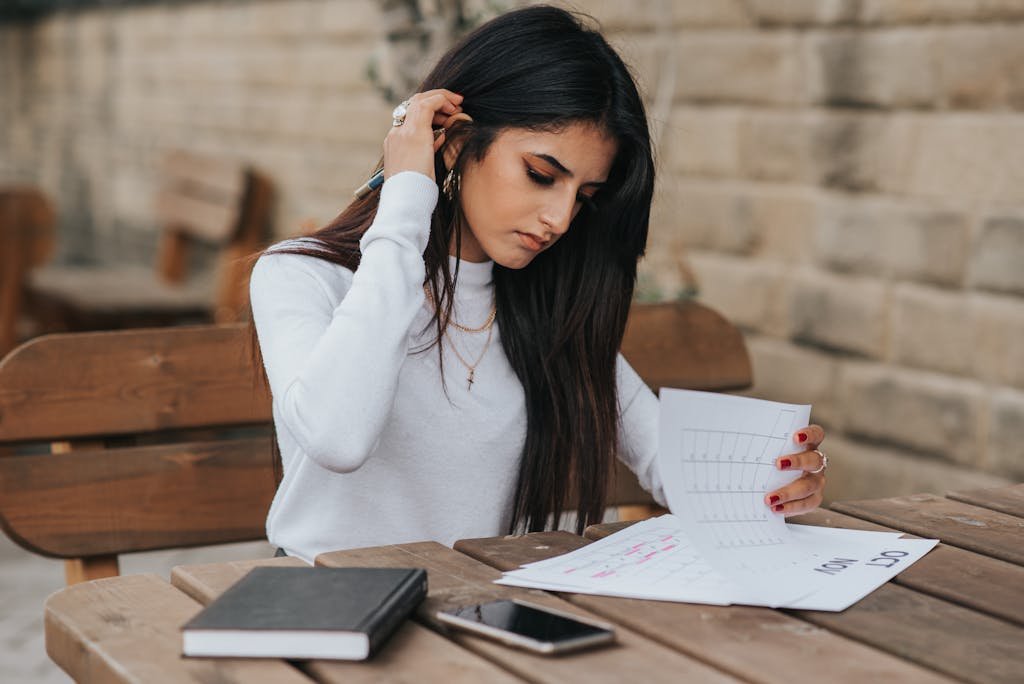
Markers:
(443, 356)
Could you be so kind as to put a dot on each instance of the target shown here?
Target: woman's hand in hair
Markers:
(803, 494)
(411, 146)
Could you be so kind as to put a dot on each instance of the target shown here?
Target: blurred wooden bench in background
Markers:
(202, 200)
(159, 438)
(26, 241)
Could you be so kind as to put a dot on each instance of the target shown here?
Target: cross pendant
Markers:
(470, 378)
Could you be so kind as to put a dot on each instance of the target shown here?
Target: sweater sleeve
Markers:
(638, 437)
(333, 366)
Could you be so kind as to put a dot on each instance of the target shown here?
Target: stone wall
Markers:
(842, 178)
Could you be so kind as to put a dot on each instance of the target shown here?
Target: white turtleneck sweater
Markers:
(374, 452)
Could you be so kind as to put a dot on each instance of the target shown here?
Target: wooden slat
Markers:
(210, 221)
(455, 579)
(755, 644)
(26, 240)
(970, 579)
(1009, 500)
(414, 653)
(87, 503)
(219, 175)
(127, 629)
(685, 345)
(969, 527)
(923, 629)
(63, 386)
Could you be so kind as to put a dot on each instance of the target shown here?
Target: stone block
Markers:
(966, 158)
(932, 330)
(1006, 446)
(346, 18)
(892, 69)
(722, 13)
(777, 146)
(997, 350)
(703, 141)
(928, 11)
(713, 216)
(789, 373)
(748, 67)
(893, 239)
(857, 470)
(803, 12)
(748, 292)
(926, 413)
(997, 256)
(979, 67)
(840, 313)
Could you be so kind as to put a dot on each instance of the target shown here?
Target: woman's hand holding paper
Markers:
(805, 493)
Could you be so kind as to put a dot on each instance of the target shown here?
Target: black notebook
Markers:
(298, 613)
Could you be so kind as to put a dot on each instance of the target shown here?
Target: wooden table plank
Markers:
(455, 579)
(413, 653)
(934, 633)
(756, 644)
(127, 629)
(970, 579)
(1009, 500)
(977, 529)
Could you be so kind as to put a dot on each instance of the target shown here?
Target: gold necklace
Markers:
(486, 326)
(470, 368)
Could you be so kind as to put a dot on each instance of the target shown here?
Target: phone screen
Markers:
(527, 621)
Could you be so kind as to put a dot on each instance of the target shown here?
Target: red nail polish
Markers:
(801, 437)
(778, 508)
(773, 499)
(785, 463)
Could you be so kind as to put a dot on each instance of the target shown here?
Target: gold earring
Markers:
(451, 183)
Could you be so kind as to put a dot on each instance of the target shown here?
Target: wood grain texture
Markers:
(985, 584)
(127, 629)
(686, 345)
(413, 654)
(934, 633)
(88, 503)
(977, 529)
(1009, 500)
(91, 384)
(455, 580)
(754, 644)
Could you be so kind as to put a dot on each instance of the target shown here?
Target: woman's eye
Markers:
(539, 178)
(587, 201)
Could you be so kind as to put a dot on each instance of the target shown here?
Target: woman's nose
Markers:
(557, 216)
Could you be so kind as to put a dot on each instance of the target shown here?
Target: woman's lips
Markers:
(530, 242)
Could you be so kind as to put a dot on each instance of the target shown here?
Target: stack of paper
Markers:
(723, 544)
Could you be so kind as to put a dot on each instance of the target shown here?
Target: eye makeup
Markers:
(547, 181)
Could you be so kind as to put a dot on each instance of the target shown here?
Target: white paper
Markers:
(654, 560)
(716, 458)
(723, 544)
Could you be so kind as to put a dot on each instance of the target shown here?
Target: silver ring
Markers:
(399, 112)
(824, 461)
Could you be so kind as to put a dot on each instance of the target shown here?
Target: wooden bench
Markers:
(26, 241)
(224, 205)
(159, 438)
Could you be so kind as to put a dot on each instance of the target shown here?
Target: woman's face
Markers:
(522, 196)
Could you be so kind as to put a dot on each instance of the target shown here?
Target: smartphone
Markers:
(529, 626)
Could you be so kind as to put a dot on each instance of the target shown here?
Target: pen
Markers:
(377, 179)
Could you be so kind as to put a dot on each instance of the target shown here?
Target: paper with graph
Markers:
(723, 544)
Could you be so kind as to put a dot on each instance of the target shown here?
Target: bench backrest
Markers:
(26, 240)
(122, 467)
(217, 202)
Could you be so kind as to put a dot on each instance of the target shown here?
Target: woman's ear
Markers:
(452, 149)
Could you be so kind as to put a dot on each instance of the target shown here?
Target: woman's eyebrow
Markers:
(558, 165)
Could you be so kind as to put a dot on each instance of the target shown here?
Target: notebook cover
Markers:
(373, 601)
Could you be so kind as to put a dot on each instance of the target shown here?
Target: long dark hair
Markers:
(562, 317)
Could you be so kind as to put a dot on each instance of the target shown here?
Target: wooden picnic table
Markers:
(957, 614)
